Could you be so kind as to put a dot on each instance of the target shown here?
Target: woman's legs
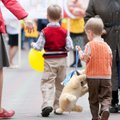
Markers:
(12, 53)
(1, 86)
(115, 77)
(3, 63)
(74, 61)
(3, 112)
(77, 41)
(115, 101)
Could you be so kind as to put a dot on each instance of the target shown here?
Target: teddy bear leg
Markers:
(77, 108)
(59, 111)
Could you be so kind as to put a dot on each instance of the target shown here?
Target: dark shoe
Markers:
(105, 115)
(114, 109)
(118, 107)
(46, 111)
(98, 118)
(72, 65)
(79, 65)
(58, 113)
(6, 114)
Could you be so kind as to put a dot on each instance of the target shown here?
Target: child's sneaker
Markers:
(46, 111)
(105, 115)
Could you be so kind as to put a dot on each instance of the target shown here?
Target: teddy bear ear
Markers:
(83, 76)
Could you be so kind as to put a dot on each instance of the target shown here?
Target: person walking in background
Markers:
(109, 12)
(54, 40)
(41, 23)
(31, 36)
(20, 13)
(75, 24)
(12, 30)
(22, 34)
(76, 33)
(98, 58)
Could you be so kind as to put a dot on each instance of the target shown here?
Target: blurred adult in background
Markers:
(76, 33)
(22, 34)
(109, 12)
(75, 7)
(20, 13)
(76, 26)
(12, 30)
(41, 23)
(33, 35)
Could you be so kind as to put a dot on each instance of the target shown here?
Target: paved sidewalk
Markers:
(22, 93)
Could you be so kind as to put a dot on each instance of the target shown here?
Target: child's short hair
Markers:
(54, 12)
(95, 25)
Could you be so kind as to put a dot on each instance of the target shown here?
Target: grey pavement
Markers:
(22, 93)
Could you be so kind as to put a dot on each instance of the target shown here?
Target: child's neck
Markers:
(96, 36)
(53, 21)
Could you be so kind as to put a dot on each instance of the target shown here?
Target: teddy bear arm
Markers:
(84, 90)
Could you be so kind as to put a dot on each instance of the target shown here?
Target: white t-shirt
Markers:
(12, 27)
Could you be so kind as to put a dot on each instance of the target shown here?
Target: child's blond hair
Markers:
(54, 12)
(95, 25)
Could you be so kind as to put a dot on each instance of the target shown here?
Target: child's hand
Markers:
(78, 48)
(33, 44)
(80, 52)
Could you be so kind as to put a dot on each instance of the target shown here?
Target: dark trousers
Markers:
(100, 92)
(115, 78)
(115, 98)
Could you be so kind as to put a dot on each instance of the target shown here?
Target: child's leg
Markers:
(105, 97)
(47, 86)
(93, 90)
(105, 94)
(61, 73)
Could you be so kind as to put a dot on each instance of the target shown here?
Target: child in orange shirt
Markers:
(98, 58)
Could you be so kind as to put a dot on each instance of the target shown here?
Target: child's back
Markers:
(100, 61)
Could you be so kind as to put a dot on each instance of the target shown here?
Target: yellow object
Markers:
(36, 60)
(76, 25)
(22, 23)
(33, 34)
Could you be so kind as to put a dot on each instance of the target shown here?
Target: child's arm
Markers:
(69, 43)
(85, 56)
(39, 45)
